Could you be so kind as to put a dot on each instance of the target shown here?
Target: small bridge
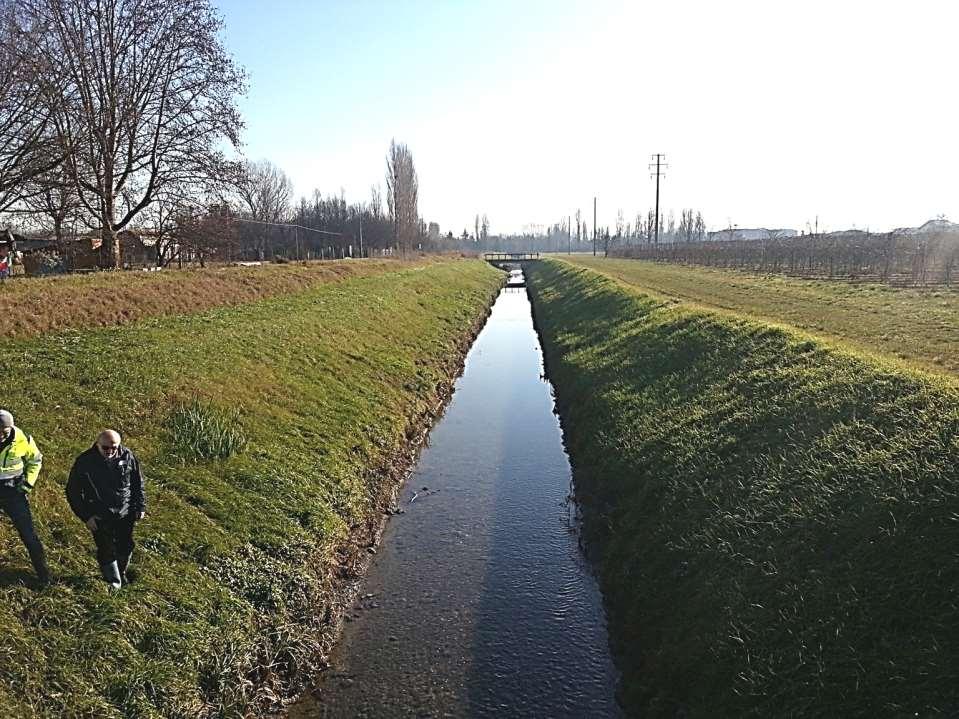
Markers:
(505, 259)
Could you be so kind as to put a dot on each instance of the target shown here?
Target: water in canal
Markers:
(479, 602)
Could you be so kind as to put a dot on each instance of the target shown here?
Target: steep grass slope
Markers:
(776, 522)
(271, 433)
(917, 326)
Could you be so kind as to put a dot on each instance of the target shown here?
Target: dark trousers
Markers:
(114, 540)
(14, 504)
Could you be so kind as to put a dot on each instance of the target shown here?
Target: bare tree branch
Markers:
(144, 94)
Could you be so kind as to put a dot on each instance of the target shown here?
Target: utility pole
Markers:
(657, 160)
(594, 227)
(569, 234)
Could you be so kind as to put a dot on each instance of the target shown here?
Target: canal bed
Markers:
(479, 602)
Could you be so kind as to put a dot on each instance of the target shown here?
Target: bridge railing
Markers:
(510, 256)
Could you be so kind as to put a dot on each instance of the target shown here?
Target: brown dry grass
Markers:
(33, 306)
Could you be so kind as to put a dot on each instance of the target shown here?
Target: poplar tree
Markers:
(402, 195)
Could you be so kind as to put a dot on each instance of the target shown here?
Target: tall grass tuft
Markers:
(201, 431)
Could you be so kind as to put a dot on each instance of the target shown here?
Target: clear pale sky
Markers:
(769, 113)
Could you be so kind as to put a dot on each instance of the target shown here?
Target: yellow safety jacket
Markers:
(19, 457)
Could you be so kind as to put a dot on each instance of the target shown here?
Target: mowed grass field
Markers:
(271, 418)
(916, 326)
(776, 519)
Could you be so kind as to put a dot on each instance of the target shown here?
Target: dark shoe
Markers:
(111, 574)
(39, 561)
(122, 563)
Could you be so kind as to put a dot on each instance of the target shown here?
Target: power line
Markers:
(657, 160)
(286, 224)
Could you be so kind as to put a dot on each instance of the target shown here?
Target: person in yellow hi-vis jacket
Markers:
(20, 462)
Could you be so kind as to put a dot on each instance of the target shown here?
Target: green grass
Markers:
(776, 521)
(201, 431)
(267, 432)
(914, 326)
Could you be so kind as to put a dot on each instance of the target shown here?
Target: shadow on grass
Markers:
(775, 520)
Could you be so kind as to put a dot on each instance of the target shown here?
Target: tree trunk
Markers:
(110, 249)
(58, 235)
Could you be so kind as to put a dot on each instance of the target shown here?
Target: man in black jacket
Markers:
(105, 491)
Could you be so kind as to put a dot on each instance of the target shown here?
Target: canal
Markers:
(479, 602)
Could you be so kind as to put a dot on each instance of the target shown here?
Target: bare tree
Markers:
(144, 95)
(205, 234)
(484, 228)
(51, 198)
(266, 193)
(699, 227)
(402, 195)
(163, 215)
(687, 226)
(26, 147)
(376, 202)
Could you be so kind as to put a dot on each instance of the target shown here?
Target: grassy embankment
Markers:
(776, 520)
(271, 431)
(919, 327)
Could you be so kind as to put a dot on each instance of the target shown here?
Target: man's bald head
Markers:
(108, 442)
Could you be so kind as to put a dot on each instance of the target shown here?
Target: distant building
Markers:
(434, 231)
(937, 226)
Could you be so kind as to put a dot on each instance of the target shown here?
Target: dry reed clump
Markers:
(30, 307)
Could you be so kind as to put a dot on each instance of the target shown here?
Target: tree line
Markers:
(895, 258)
(574, 233)
(122, 114)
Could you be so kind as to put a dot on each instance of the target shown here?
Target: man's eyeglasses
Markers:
(108, 447)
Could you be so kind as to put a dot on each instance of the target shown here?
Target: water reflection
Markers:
(479, 602)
